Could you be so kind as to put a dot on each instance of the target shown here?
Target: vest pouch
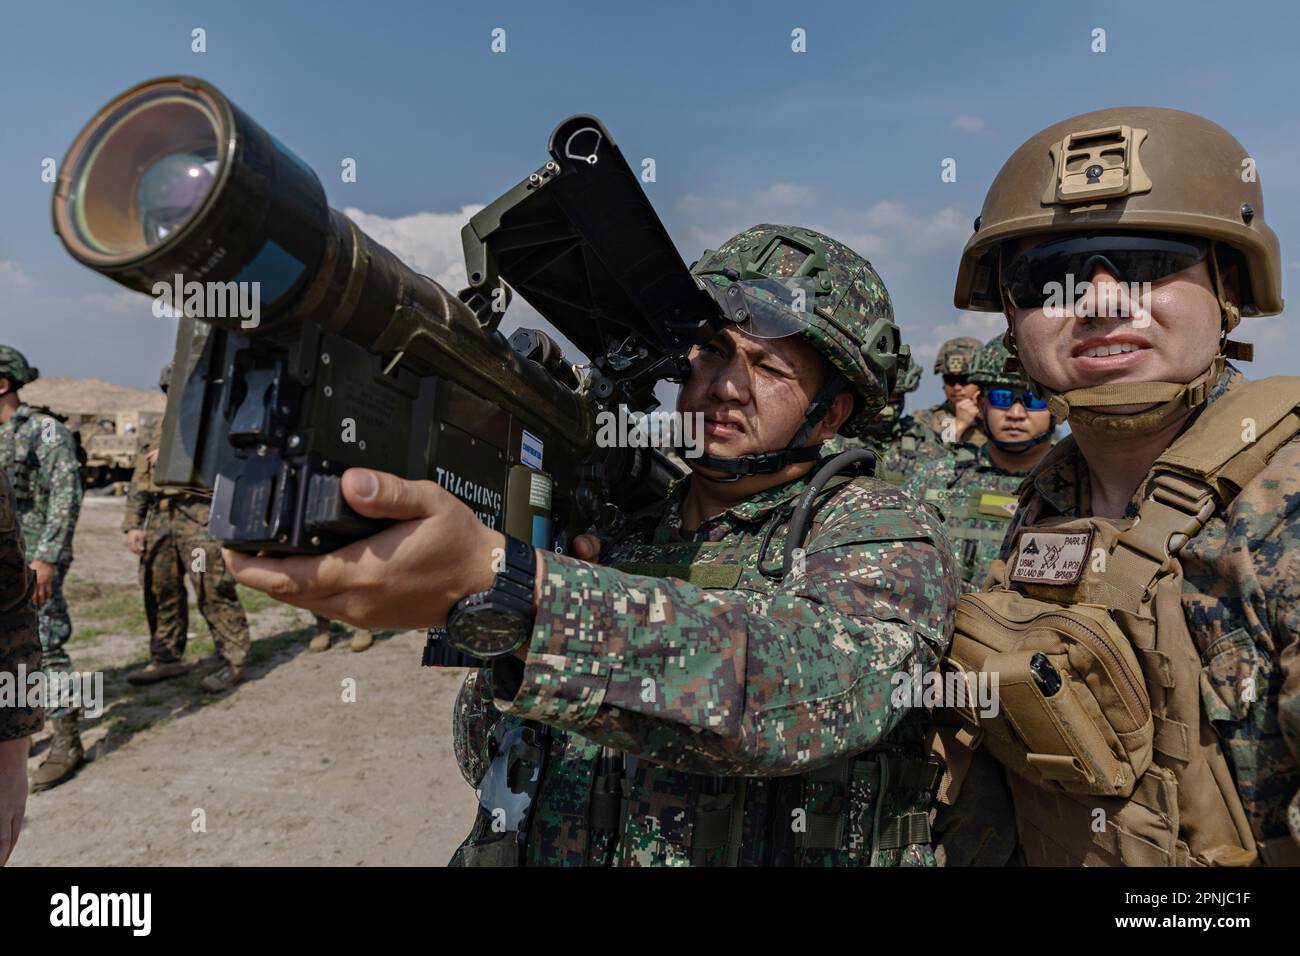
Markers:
(1072, 711)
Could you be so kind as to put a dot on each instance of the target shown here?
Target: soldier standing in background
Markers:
(975, 488)
(898, 439)
(19, 648)
(40, 456)
(361, 639)
(956, 419)
(168, 529)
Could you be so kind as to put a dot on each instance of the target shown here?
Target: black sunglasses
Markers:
(955, 380)
(1045, 271)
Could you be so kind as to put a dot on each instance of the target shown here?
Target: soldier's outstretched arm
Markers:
(700, 680)
(697, 679)
(58, 458)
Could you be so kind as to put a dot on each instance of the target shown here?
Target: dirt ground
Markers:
(282, 768)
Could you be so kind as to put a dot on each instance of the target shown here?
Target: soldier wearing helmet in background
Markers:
(718, 690)
(956, 418)
(897, 439)
(40, 456)
(168, 528)
(974, 489)
(1149, 600)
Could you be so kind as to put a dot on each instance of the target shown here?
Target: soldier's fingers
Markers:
(586, 547)
(377, 494)
(293, 580)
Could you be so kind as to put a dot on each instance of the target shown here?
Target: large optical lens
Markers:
(145, 173)
(171, 190)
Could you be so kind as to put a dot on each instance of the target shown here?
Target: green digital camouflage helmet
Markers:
(955, 356)
(15, 367)
(995, 365)
(909, 379)
(849, 318)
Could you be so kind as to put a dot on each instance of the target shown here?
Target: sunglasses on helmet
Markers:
(1034, 276)
(1006, 397)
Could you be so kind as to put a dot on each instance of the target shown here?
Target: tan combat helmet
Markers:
(1131, 169)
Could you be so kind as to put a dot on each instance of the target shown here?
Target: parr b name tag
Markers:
(1050, 557)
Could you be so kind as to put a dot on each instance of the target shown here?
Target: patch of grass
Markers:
(255, 601)
(99, 609)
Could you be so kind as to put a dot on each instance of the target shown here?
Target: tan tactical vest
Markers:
(1112, 760)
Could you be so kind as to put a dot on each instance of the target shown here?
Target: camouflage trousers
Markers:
(177, 544)
(55, 627)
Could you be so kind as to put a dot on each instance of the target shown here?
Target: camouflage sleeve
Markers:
(19, 646)
(730, 683)
(1276, 499)
(58, 459)
(138, 500)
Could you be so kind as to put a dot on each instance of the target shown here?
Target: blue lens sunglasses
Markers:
(1006, 397)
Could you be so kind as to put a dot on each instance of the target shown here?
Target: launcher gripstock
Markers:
(352, 359)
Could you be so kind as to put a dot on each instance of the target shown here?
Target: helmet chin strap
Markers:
(795, 452)
(1080, 405)
(1017, 447)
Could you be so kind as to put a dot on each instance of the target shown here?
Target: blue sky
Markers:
(847, 137)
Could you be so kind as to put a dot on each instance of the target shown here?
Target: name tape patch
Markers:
(1050, 557)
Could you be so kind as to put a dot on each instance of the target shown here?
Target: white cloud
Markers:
(968, 123)
(785, 194)
(978, 325)
(12, 276)
(428, 242)
(947, 227)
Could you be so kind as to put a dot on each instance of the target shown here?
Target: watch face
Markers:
(487, 632)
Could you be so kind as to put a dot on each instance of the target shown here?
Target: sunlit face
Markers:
(1173, 337)
(956, 388)
(1014, 424)
(754, 393)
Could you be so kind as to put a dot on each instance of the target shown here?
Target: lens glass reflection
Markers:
(145, 172)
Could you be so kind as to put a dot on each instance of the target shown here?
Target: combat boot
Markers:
(155, 672)
(64, 758)
(361, 640)
(223, 680)
(209, 665)
(321, 640)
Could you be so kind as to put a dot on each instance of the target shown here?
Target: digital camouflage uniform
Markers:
(737, 688)
(955, 358)
(20, 645)
(1241, 599)
(39, 454)
(177, 543)
(976, 500)
(975, 497)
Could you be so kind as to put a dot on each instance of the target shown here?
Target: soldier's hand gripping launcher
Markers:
(306, 348)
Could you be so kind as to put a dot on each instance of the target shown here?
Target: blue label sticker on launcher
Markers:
(541, 532)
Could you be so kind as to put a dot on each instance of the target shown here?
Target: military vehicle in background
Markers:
(110, 421)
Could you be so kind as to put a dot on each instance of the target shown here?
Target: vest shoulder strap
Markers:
(1235, 437)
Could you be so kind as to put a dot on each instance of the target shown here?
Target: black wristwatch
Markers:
(498, 621)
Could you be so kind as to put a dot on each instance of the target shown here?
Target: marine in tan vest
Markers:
(1145, 621)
